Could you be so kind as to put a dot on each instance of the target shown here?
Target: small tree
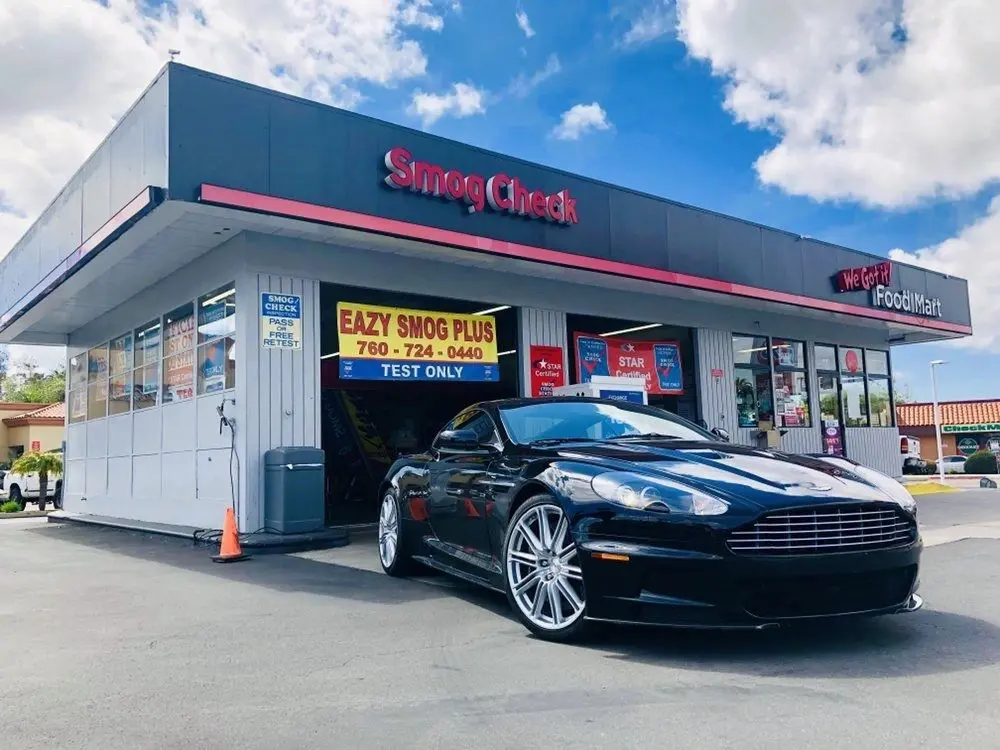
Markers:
(42, 464)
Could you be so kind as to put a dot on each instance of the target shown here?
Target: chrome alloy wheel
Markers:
(543, 569)
(388, 530)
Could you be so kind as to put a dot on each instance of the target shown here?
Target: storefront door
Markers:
(831, 419)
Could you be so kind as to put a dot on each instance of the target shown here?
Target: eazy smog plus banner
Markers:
(389, 343)
(658, 363)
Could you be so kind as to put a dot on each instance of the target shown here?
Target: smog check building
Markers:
(337, 282)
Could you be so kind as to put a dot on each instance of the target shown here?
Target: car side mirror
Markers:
(721, 434)
(458, 440)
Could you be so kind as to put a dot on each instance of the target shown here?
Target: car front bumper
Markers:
(637, 582)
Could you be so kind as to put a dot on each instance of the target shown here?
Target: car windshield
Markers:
(590, 420)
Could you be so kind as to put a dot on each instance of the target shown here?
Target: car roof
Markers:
(524, 401)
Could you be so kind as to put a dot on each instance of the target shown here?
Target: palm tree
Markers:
(44, 465)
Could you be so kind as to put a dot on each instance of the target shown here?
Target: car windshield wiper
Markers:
(553, 441)
(647, 435)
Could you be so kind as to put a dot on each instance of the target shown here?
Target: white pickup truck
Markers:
(23, 488)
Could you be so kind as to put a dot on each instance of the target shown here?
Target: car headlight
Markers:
(655, 494)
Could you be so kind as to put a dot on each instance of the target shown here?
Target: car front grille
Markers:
(825, 529)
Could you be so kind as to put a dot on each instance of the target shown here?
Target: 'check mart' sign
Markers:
(978, 427)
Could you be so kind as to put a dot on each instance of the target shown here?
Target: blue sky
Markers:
(671, 136)
(854, 111)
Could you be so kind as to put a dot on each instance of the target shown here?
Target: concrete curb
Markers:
(25, 514)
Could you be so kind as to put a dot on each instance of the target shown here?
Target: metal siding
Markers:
(876, 448)
(716, 405)
(133, 156)
(545, 327)
(243, 137)
(286, 387)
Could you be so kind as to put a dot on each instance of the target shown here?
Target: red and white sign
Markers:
(716, 373)
(864, 279)
(501, 192)
(547, 371)
(36, 445)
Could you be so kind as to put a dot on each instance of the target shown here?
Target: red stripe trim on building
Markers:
(326, 215)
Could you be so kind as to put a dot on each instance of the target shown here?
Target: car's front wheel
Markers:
(542, 573)
(393, 546)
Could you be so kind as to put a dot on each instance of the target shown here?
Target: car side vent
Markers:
(825, 529)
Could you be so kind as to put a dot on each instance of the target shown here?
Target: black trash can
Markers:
(294, 486)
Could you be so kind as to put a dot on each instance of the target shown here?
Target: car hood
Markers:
(736, 473)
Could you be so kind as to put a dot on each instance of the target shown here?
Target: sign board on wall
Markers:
(388, 343)
(968, 446)
(547, 370)
(280, 321)
(36, 445)
(876, 279)
(978, 427)
(658, 363)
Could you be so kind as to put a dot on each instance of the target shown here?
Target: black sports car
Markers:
(585, 510)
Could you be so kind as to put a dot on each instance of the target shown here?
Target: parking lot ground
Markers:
(120, 640)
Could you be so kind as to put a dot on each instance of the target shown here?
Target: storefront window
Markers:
(97, 382)
(120, 393)
(791, 383)
(826, 358)
(879, 391)
(77, 374)
(216, 361)
(146, 375)
(852, 381)
(78, 405)
(178, 354)
(754, 401)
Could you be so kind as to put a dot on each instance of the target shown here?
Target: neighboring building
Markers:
(333, 281)
(966, 426)
(28, 427)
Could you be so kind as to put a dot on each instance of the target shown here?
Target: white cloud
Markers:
(972, 255)
(581, 119)
(885, 102)
(524, 85)
(50, 120)
(654, 22)
(890, 103)
(464, 100)
(524, 23)
(47, 358)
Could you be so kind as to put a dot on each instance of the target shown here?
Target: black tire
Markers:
(15, 496)
(580, 627)
(402, 563)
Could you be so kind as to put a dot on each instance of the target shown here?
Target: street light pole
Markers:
(937, 418)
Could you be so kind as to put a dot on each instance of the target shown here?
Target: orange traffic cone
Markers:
(229, 548)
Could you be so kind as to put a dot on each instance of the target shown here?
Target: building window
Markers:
(827, 376)
(880, 406)
(120, 389)
(77, 383)
(852, 382)
(216, 359)
(791, 383)
(97, 382)
(178, 354)
(146, 375)
(754, 400)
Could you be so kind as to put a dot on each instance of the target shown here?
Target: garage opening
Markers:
(395, 368)
(661, 354)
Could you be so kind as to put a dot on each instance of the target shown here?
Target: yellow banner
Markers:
(392, 333)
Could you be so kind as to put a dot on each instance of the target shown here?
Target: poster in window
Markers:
(212, 367)
(179, 336)
(657, 363)
(178, 377)
(121, 355)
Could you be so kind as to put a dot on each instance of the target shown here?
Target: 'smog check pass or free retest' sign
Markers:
(388, 343)
(280, 321)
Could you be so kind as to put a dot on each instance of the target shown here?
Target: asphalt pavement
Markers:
(119, 640)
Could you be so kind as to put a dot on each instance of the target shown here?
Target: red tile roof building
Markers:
(917, 420)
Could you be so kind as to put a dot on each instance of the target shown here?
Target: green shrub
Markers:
(981, 462)
(10, 507)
